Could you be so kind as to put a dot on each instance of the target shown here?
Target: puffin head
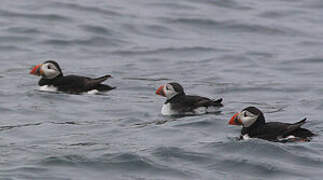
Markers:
(170, 90)
(48, 70)
(248, 117)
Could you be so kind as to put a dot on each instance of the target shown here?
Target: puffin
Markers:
(254, 125)
(178, 103)
(52, 76)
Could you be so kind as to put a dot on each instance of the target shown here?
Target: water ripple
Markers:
(33, 16)
(93, 42)
(233, 26)
(179, 50)
(88, 9)
(230, 4)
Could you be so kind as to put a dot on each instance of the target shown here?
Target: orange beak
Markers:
(235, 120)
(160, 91)
(37, 70)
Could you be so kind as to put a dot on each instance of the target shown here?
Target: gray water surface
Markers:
(253, 52)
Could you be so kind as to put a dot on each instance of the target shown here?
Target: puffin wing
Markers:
(296, 130)
(190, 103)
(96, 81)
(198, 101)
(292, 127)
(205, 102)
(71, 83)
(275, 130)
(77, 84)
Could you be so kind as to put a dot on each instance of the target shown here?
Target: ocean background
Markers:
(267, 54)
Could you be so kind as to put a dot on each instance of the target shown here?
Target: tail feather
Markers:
(217, 102)
(303, 121)
(295, 126)
(104, 87)
(96, 83)
(303, 133)
(100, 79)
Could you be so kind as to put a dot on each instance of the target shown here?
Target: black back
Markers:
(185, 103)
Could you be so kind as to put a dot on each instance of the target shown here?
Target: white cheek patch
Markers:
(169, 93)
(50, 73)
(248, 121)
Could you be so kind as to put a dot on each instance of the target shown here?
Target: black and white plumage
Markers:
(254, 126)
(52, 76)
(178, 103)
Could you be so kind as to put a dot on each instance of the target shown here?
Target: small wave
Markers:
(151, 30)
(313, 43)
(45, 17)
(67, 123)
(83, 144)
(278, 14)
(261, 29)
(195, 124)
(146, 79)
(13, 48)
(261, 87)
(270, 151)
(15, 38)
(176, 5)
(18, 126)
(313, 60)
(175, 154)
(251, 168)
(67, 160)
(93, 41)
(129, 162)
(233, 26)
(188, 50)
(192, 21)
(91, 9)
(23, 30)
(230, 4)
(260, 54)
(97, 29)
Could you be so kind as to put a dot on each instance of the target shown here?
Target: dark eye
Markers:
(245, 114)
(49, 67)
(167, 88)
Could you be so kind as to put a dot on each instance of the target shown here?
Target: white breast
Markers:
(93, 92)
(201, 110)
(246, 137)
(48, 88)
(167, 110)
(288, 138)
